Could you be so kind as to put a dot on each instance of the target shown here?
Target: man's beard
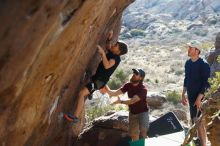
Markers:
(132, 80)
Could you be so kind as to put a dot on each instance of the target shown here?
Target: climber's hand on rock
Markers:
(100, 50)
(110, 35)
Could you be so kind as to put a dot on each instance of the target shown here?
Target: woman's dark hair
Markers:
(123, 47)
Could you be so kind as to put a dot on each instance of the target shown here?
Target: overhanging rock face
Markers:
(46, 47)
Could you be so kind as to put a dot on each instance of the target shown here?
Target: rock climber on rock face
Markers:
(107, 66)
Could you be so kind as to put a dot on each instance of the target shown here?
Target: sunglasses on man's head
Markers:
(136, 73)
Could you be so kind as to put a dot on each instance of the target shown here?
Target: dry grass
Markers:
(164, 66)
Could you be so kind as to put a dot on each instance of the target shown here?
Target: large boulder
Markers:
(212, 117)
(213, 55)
(214, 130)
(212, 106)
(47, 48)
(181, 115)
(105, 131)
(156, 100)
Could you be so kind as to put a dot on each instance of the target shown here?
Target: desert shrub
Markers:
(171, 81)
(137, 32)
(215, 82)
(125, 36)
(171, 70)
(207, 45)
(156, 81)
(147, 80)
(121, 107)
(200, 32)
(173, 96)
(121, 75)
(98, 110)
(179, 72)
(114, 84)
(118, 79)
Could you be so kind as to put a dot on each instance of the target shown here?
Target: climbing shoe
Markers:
(71, 118)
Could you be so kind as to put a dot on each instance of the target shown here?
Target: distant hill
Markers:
(167, 20)
(157, 32)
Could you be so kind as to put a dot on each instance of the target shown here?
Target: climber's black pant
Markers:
(95, 85)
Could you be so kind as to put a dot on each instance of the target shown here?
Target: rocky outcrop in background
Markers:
(172, 22)
(156, 100)
(157, 32)
(46, 50)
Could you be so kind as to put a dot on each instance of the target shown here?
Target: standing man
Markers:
(138, 108)
(197, 73)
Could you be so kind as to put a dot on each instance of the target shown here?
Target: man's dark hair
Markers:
(123, 47)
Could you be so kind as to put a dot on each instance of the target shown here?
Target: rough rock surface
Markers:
(181, 115)
(106, 130)
(46, 49)
(213, 125)
(212, 108)
(213, 55)
(156, 100)
(214, 130)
